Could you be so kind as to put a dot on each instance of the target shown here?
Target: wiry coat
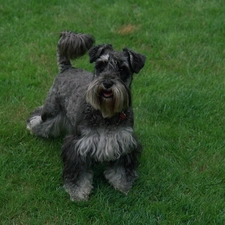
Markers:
(95, 112)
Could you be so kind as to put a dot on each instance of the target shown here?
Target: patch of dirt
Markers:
(127, 29)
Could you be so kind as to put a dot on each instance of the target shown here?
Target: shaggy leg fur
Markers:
(121, 173)
(77, 177)
(81, 189)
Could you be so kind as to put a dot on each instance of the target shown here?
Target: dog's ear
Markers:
(96, 51)
(137, 61)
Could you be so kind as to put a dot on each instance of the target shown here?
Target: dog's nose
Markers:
(107, 84)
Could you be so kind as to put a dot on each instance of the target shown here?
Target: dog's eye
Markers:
(123, 68)
(100, 65)
(124, 72)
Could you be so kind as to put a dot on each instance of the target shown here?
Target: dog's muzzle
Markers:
(108, 96)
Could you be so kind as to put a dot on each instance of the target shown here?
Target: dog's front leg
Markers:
(121, 173)
(76, 172)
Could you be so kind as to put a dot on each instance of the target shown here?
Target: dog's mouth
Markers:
(107, 94)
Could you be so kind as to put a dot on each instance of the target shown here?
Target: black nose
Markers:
(107, 84)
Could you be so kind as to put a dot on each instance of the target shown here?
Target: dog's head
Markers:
(109, 91)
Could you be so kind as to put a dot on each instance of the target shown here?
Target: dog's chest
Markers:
(106, 144)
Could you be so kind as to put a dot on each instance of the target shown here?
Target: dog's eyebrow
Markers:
(104, 57)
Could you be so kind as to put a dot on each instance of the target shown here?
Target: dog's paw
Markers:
(33, 122)
(124, 188)
(119, 178)
(77, 193)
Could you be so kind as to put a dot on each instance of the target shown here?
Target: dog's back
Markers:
(49, 119)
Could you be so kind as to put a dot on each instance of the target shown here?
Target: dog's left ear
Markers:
(137, 61)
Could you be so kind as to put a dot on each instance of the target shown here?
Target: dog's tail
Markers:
(72, 46)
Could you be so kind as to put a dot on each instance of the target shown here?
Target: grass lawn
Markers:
(178, 99)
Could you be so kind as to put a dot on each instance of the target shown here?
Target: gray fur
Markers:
(105, 144)
(95, 112)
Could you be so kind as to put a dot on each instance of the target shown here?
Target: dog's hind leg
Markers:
(48, 120)
(51, 127)
(77, 175)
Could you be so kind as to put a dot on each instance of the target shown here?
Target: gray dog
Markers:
(94, 110)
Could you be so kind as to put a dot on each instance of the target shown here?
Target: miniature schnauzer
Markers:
(94, 110)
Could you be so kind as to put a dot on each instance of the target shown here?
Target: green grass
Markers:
(179, 103)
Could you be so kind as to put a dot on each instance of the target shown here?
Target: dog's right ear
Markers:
(137, 61)
(96, 51)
